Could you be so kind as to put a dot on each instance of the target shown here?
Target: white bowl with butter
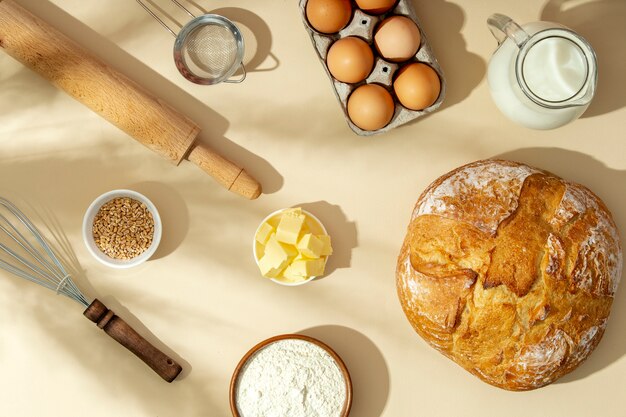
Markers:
(291, 247)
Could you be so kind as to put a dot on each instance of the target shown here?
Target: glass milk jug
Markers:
(542, 75)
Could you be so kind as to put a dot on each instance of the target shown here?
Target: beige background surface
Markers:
(202, 296)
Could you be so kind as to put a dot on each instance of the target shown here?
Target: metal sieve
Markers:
(208, 49)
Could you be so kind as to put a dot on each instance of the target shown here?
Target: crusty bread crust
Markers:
(509, 271)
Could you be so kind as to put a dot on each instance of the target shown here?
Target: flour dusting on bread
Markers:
(600, 243)
(496, 186)
(517, 340)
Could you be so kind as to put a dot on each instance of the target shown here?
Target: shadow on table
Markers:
(50, 226)
(172, 211)
(213, 125)
(116, 371)
(366, 364)
(607, 183)
(343, 233)
(442, 22)
(256, 33)
(603, 24)
(257, 36)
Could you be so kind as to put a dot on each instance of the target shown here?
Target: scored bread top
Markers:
(510, 271)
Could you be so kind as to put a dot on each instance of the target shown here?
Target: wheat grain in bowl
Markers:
(122, 228)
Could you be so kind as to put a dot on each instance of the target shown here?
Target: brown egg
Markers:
(397, 38)
(417, 86)
(350, 60)
(370, 107)
(328, 16)
(375, 6)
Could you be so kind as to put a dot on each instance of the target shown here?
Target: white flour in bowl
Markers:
(291, 378)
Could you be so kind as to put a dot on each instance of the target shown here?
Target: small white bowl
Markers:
(241, 369)
(88, 229)
(314, 224)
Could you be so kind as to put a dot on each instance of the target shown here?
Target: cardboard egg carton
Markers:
(363, 26)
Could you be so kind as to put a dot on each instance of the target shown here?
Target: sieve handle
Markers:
(228, 174)
(120, 331)
(240, 79)
(158, 19)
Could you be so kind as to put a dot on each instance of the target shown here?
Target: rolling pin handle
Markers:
(225, 172)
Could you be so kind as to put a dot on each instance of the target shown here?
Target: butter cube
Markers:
(310, 246)
(327, 249)
(290, 226)
(268, 268)
(315, 267)
(289, 275)
(305, 268)
(279, 252)
(294, 272)
(264, 232)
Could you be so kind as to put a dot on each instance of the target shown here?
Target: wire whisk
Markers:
(25, 252)
(32, 259)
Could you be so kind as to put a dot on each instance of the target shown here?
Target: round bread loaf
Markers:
(509, 271)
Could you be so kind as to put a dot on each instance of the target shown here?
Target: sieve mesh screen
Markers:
(210, 51)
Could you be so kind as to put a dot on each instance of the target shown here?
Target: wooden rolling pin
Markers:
(113, 96)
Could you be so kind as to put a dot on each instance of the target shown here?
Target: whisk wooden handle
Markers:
(119, 330)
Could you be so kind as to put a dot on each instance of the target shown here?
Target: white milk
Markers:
(555, 69)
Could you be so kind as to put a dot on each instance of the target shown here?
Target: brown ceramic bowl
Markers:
(342, 367)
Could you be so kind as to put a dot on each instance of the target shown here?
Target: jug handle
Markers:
(503, 27)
